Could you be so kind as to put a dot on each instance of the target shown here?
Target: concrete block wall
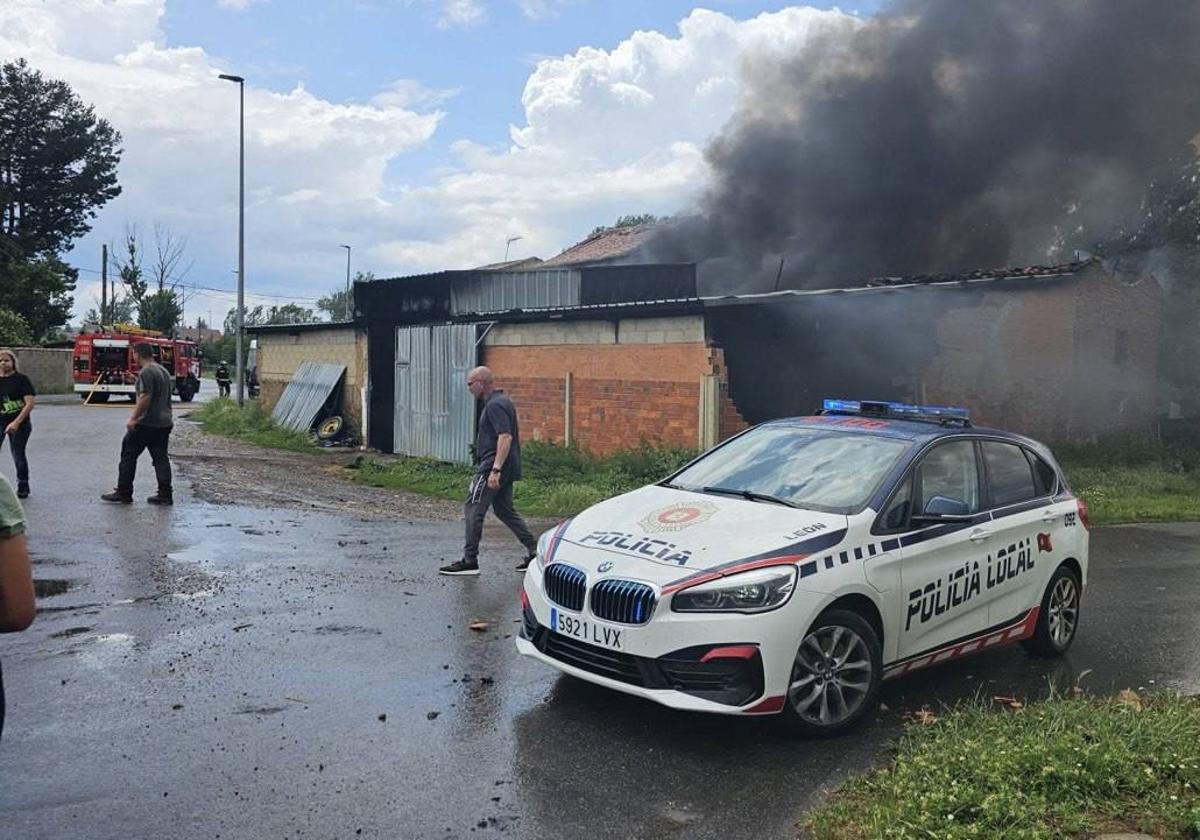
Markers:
(48, 368)
(281, 353)
(633, 381)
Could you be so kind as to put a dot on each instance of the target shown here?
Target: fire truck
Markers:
(105, 362)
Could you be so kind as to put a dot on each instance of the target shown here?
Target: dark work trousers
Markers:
(138, 440)
(17, 441)
(479, 498)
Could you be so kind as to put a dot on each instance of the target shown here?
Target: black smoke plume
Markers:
(945, 135)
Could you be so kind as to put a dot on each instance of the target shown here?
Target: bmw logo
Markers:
(606, 566)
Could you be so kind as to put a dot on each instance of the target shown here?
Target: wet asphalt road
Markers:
(219, 671)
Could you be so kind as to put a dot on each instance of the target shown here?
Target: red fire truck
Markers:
(105, 362)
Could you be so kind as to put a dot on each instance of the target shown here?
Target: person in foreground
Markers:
(16, 575)
(149, 427)
(498, 448)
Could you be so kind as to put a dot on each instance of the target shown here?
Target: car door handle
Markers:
(1050, 516)
(979, 535)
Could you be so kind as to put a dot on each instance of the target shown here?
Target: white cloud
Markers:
(462, 13)
(538, 9)
(605, 133)
(237, 5)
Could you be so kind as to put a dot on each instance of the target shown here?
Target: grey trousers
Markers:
(479, 498)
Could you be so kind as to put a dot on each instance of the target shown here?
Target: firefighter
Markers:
(223, 378)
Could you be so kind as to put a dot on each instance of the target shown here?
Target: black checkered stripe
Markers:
(842, 558)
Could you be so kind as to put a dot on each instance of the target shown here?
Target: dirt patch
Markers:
(226, 472)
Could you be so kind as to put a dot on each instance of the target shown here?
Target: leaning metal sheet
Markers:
(306, 393)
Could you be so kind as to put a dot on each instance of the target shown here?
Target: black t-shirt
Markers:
(499, 418)
(13, 391)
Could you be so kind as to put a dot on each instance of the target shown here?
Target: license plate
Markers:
(585, 631)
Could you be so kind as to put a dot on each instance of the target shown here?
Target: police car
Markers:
(797, 565)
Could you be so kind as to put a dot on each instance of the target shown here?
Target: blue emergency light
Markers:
(897, 410)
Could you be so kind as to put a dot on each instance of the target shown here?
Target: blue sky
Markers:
(531, 118)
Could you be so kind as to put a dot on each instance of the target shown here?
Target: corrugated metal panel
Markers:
(306, 394)
(503, 291)
(435, 413)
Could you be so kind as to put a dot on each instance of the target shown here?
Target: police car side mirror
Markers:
(944, 509)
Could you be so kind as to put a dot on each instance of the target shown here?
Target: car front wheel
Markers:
(835, 675)
(1059, 616)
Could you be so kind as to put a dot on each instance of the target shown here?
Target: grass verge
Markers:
(559, 481)
(251, 424)
(1060, 768)
(1134, 480)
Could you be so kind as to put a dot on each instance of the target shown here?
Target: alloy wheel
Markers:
(831, 676)
(1064, 611)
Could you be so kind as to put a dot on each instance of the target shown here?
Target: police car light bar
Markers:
(898, 410)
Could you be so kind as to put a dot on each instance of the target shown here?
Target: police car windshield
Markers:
(818, 469)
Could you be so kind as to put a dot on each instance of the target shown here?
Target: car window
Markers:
(949, 470)
(1010, 478)
(896, 515)
(820, 469)
(1047, 478)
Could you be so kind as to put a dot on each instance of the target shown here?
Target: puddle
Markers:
(49, 587)
(69, 632)
(72, 608)
(191, 596)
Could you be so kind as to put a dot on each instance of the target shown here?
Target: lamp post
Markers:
(348, 312)
(508, 244)
(241, 360)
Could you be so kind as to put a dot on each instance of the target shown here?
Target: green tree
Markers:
(160, 311)
(627, 221)
(338, 304)
(40, 291)
(289, 313)
(58, 162)
(13, 329)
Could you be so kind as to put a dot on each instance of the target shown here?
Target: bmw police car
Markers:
(797, 565)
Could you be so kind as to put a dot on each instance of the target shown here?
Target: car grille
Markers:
(623, 601)
(598, 660)
(565, 585)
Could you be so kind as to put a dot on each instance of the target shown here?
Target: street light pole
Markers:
(508, 244)
(348, 313)
(241, 359)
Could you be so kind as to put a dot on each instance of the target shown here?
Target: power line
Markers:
(220, 291)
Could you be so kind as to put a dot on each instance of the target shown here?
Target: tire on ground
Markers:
(1043, 643)
(862, 628)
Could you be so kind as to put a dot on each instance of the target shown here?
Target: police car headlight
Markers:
(756, 591)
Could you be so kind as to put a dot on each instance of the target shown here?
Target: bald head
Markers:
(481, 382)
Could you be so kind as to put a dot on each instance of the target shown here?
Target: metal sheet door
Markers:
(435, 414)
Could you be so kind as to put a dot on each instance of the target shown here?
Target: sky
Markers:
(422, 133)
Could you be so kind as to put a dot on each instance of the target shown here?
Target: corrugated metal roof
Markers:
(306, 394)
(501, 291)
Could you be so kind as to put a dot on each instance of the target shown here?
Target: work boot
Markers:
(460, 567)
(118, 497)
(23, 490)
(524, 564)
(160, 498)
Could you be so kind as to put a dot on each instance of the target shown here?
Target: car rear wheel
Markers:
(1059, 615)
(835, 675)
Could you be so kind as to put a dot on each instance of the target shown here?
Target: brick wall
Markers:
(280, 354)
(633, 380)
(1045, 361)
(48, 368)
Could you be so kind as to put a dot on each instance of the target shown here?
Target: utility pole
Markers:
(104, 285)
(241, 359)
(346, 313)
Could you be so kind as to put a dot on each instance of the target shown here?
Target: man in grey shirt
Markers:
(149, 427)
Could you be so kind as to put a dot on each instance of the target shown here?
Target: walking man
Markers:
(223, 378)
(498, 447)
(149, 427)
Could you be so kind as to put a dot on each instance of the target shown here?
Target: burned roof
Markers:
(603, 246)
(1029, 272)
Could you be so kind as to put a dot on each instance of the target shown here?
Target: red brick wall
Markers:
(623, 394)
(1043, 361)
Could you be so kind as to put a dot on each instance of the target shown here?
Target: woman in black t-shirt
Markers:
(16, 402)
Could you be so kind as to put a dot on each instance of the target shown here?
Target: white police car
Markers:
(797, 565)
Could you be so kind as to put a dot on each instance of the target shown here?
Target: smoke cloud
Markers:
(944, 135)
